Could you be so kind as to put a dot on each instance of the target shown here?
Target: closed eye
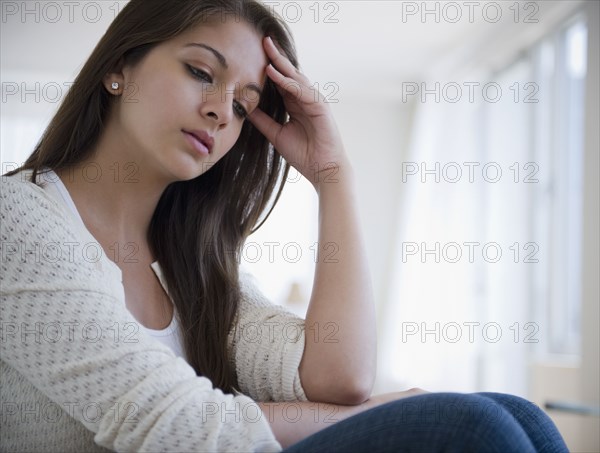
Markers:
(199, 74)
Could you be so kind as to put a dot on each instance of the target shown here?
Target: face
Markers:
(200, 84)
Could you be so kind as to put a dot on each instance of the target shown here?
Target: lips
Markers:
(201, 140)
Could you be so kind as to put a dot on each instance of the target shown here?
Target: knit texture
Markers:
(77, 373)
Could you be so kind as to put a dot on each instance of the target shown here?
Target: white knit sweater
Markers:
(78, 375)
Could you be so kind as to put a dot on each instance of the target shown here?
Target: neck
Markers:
(115, 192)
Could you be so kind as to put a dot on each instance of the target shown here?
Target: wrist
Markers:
(333, 174)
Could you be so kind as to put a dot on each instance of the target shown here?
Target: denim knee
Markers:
(469, 422)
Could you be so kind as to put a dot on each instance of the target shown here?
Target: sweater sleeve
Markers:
(267, 345)
(65, 327)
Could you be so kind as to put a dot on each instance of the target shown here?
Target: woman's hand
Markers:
(377, 400)
(310, 140)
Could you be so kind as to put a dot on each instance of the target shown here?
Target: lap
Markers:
(449, 422)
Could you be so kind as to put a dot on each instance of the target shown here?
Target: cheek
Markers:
(164, 102)
(171, 101)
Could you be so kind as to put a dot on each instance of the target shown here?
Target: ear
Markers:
(115, 76)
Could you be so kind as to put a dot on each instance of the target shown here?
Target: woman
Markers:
(122, 302)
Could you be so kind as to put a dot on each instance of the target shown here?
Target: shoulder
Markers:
(42, 248)
(247, 281)
(254, 304)
(251, 293)
(18, 193)
(28, 213)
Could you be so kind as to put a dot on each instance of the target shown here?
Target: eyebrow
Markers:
(223, 62)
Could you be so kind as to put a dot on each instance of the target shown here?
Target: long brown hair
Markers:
(199, 226)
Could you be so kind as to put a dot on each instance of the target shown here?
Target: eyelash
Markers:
(204, 77)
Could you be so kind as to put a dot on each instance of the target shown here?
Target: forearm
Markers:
(339, 361)
(293, 421)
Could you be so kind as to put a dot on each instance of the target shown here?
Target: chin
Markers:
(189, 174)
(185, 170)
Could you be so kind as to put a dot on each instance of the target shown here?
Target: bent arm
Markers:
(339, 361)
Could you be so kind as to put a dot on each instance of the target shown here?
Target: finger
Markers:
(280, 61)
(265, 124)
(274, 74)
(289, 85)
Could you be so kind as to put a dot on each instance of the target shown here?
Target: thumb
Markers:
(265, 124)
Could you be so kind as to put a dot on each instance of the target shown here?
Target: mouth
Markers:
(200, 140)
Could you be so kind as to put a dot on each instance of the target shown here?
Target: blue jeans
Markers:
(441, 422)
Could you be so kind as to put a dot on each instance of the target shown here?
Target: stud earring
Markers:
(115, 85)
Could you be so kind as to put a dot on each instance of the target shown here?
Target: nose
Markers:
(217, 105)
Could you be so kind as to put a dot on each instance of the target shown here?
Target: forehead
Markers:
(237, 41)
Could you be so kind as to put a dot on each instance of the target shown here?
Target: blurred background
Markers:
(473, 131)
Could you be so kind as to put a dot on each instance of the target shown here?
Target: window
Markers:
(529, 299)
(560, 62)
